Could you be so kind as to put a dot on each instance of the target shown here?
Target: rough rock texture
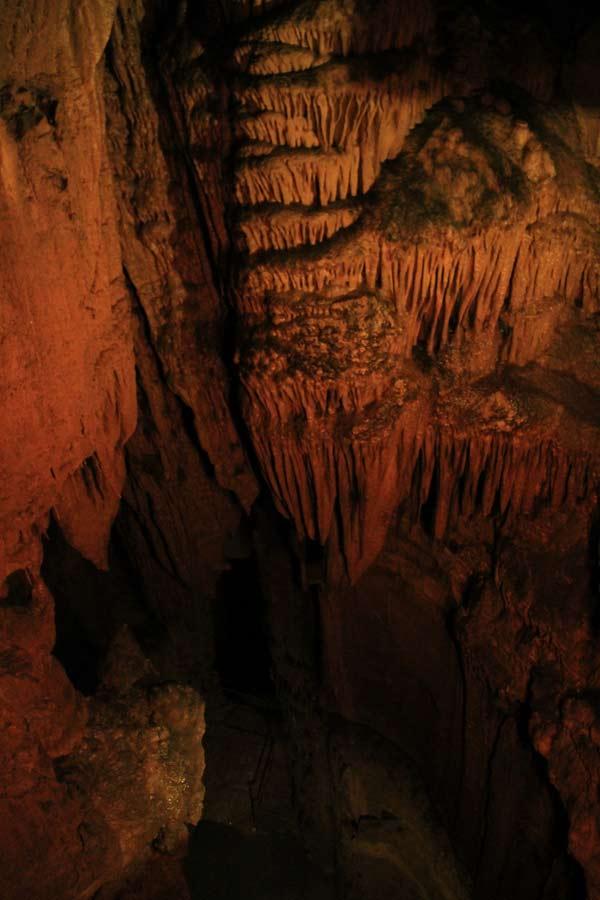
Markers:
(42, 718)
(87, 785)
(347, 252)
(66, 409)
(140, 766)
(466, 643)
(479, 248)
(67, 406)
(68, 402)
(169, 266)
(432, 360)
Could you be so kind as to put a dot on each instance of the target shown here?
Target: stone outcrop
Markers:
(67, 408)
(88, 785)
(138, 768)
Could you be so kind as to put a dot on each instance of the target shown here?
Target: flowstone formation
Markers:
(314, 286)
(418, 342)
(396, 316)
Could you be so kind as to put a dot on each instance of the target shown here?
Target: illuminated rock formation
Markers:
(67, 407)
(342, 256)
(481, 252)
(436, 354)
(68, 398)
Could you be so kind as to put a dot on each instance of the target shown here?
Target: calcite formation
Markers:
(436, 352)
(477, 248)
(344, 255)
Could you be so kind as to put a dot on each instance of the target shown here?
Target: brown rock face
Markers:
(476, 248)
(344, 255)
(138, 765)
(67, 407)
(68, 404)
(88, 785)
(417, 361)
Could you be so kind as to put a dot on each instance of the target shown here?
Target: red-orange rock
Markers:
(68, 373)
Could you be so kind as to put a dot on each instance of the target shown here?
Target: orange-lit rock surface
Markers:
(88, 785)
(344, 255)
(171, 269)
(68, 401)
(370, 348)
(67, 407)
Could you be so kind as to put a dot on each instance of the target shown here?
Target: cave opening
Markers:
(240, 615)
(91, 606)
(80, 632)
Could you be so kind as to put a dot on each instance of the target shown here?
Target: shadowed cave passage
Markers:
(226, 864)
(263, 750)
(91, 606)
(82, 623)
(242, 656)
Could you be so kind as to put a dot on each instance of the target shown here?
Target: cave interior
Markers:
(300, 454)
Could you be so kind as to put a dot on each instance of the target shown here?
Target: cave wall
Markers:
(345, 255)
(90, 783)
(416, 379)
(470, 662)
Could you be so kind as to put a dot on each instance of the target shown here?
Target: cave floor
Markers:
(225, 863)
(247, 845)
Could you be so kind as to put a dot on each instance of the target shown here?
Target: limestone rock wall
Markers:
(67, 407)
(68, 401)
(417, 345)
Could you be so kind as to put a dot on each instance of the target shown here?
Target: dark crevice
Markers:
(573, 873)
(488, 793)
(451, 630)
(18, 590)
(91, 605)
(242, 655)
(79, 645)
